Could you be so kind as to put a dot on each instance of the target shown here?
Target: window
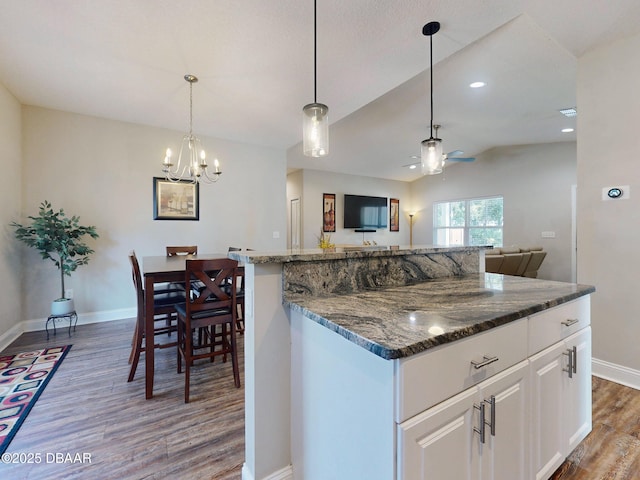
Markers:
(475, 221)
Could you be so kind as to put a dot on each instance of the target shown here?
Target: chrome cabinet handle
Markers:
(575, 359)
(485, 361)
(569, 321)
(492, 403)
(571, 367)
(480, 429)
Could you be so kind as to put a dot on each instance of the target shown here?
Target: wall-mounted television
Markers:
(365, 212)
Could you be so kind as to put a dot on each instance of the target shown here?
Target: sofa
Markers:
(523, 262)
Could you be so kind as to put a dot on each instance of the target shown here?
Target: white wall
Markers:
(535, 181)
(103, 171)
(609, 232)
(10, 200)
(315, 183)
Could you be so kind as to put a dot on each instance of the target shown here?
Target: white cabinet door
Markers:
(444, 441)
(439, 443)
(547, 397)
(561, 401)
(577, 402)
(504, 455)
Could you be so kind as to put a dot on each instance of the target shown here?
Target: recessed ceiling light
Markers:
(569, 112)
(567, 130)
(477, 84)
(412, 166)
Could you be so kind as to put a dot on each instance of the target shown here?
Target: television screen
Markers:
(361, 211)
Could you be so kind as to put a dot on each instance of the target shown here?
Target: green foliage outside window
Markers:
(469, 222)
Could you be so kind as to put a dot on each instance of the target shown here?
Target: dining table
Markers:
(161, 269)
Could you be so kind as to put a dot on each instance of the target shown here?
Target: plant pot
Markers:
(62, 306)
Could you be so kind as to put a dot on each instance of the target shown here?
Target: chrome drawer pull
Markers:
(485, 361)
(570, 321)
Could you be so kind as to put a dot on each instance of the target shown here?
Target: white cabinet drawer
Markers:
(430, 377)
(555, 324)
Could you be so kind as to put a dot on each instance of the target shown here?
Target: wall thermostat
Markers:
(614, 192)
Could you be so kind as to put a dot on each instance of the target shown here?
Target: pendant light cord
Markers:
(315, 53)
(431, 73)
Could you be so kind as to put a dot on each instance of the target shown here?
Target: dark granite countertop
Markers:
(347, 252)
(401, 321)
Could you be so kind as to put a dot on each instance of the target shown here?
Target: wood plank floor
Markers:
(612, 450)
(88, 407)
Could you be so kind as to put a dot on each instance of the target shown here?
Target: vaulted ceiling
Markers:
(125, 60)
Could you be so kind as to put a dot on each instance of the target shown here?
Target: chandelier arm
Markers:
(210, 178)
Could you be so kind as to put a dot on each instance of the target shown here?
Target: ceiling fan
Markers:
(452, 156)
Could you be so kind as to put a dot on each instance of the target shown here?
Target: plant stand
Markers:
(73, 319)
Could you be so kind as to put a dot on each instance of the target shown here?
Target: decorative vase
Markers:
(62, 306)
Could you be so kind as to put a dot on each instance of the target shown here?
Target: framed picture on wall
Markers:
(394, 215)
(328, 212)
(178, 200)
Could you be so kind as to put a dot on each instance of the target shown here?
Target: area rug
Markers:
(22, 380)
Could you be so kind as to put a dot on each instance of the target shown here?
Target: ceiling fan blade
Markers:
(455, 152)
(460, 159)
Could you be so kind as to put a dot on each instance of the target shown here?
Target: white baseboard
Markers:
(616, 373)
(8, 337)
(283, 474)
(37, 324)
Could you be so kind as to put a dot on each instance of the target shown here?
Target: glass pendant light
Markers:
(431, 154)
(315, 118)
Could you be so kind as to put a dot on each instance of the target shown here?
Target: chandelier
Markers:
(192, 163)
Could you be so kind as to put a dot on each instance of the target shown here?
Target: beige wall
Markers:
(315, 183)
(535, 181)
(10, 198)
(102, 170)
(609, 231)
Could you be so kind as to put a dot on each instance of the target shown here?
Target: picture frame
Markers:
(179, 200)
(328, 212)
(394, 215)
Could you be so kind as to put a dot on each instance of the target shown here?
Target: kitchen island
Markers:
(359, 347)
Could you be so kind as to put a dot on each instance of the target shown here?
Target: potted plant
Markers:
(58, 238)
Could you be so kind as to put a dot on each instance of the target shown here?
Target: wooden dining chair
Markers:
(164, 304)
(172, 251)
(240, 300)
(211, 310)
(240, 293)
